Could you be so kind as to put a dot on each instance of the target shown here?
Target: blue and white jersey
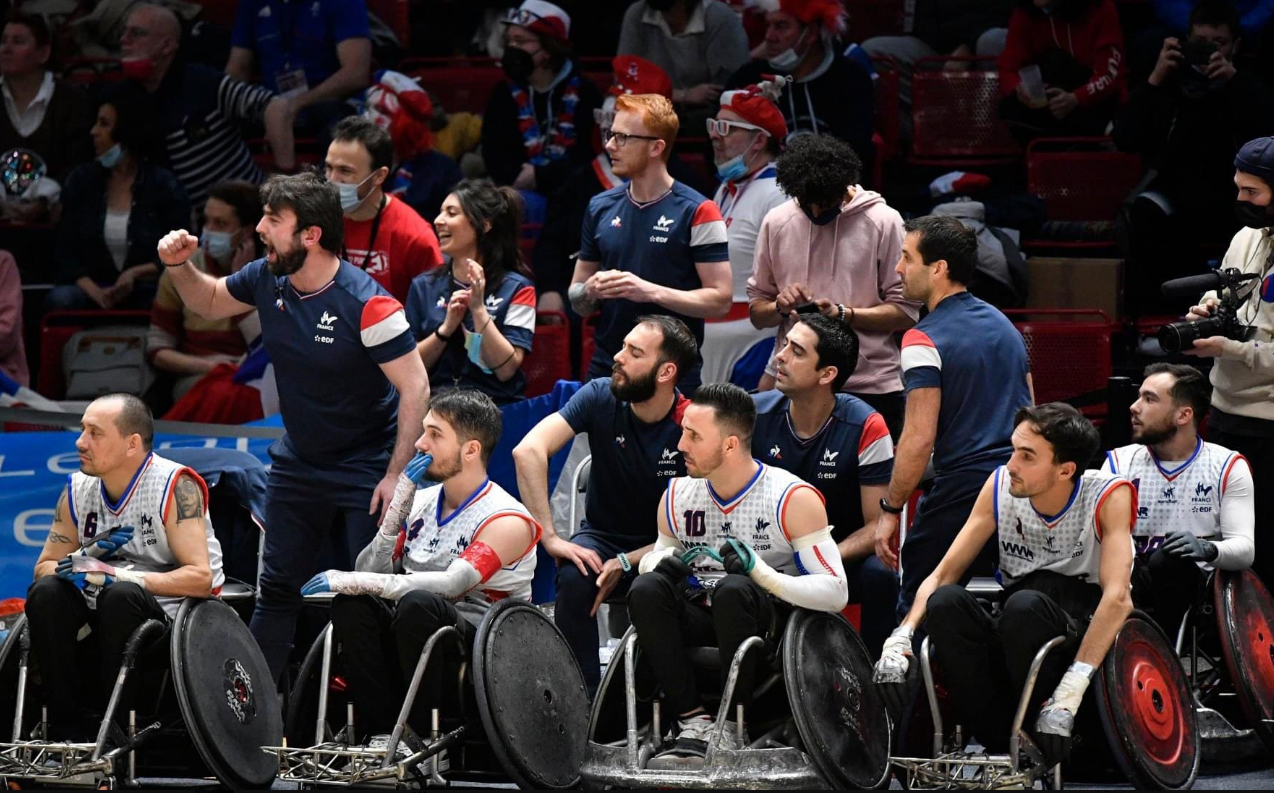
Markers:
(144, 505)
(756, 515)
(1068, 543)
(852, 449)
(973, 353)
(660, 241)
(327, 347)
(1184, 497)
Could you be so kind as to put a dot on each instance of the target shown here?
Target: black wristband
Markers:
(890, 508)
(179, 264)
(438, 333)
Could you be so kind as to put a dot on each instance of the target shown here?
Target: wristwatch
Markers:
(890, 508)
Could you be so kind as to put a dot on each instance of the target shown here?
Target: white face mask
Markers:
(349, 195)
(788, 59)
(218, 244)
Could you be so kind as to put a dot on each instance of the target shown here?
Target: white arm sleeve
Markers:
(821, 587)
(378, 556)
(665, 546)
(452, 583)
(1237, 547)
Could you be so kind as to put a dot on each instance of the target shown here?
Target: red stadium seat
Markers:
(1068, 357)
(1080, 179)
(955, 115)
(90, 71)
(550, 356)
(395, 14)
(888, 109)
(58, 327)
(459, 85)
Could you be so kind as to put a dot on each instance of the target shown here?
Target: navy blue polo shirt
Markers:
(973, 353)
(852, 449)
(632, 462)
(327, 347)
(298, 34)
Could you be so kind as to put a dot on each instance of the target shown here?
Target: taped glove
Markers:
(1055, 725)
(894, 657)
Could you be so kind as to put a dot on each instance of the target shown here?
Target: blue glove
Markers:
(415, 470)
(64, 571)
(115, 540)
(316, 585)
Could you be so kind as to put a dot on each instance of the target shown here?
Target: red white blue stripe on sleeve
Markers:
(875, 445)
(707, 227)
(383, 320)
(918, 350)
(521, 310)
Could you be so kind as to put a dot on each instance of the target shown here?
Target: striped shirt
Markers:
(174, 326)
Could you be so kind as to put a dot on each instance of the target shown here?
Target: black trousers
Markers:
(668, 621)
(380, 644)
(1167, 587)
(56, 612)
(985, 660)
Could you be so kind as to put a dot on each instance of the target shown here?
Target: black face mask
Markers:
(823, 218)
(517, 64)
(1252, 216)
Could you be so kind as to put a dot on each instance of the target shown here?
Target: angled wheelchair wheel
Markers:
(302, 707)
(9, 660)
(839, 713)
(1245, 622)
(531, 697)
(1146, 709)
(225, 693)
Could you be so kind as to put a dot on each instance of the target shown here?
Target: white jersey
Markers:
(144, 505)
(756, 515)
(1068, 543)
(1186, 497)
(433, 542)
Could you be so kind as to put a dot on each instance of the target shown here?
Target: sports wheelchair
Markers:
(818, 720)
(1144, 723)
(516, 712)
(215, 692)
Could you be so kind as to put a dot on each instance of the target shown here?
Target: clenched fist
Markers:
(177, 247)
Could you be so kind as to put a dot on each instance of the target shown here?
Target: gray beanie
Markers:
(1257, 158)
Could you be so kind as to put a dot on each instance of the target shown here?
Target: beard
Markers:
(637, 389)
(1154, 435)
(700, 468)
(440, 471)
(286, 263)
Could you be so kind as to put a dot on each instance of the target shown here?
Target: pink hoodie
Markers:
(850, 261)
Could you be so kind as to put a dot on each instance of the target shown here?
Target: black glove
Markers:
(731, 561)
(1185, 545)
(672, 568)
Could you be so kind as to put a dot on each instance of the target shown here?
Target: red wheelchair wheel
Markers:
(1245, 621)
(1146, 709)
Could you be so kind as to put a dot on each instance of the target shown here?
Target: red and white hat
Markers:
(540, 16)
(756, 104)
(634, 75)
(828, 13)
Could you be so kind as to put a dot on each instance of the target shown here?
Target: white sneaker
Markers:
(730, 740)
(688, 749)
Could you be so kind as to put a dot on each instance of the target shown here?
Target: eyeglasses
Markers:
(621, 138)
(724, 127)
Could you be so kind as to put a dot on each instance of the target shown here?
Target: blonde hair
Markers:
(657, 115)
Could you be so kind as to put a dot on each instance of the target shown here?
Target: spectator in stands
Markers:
(200, 108)
(423, 176)
(699, 43)
(559, 241)
(41, 113)
(383, 236)
(956, 28)
(835, 245)
(314, 53)
(13, 354)
(830, 94)
(1078, 46)
(538, 122)
(1187, 121)
(746, 136)
(652, 245)
(475, 318)
(115, 210)
(180, 341)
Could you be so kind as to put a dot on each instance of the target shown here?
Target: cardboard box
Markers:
(1059, 282)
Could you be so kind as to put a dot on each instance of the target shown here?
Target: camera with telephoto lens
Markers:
(1233, 289)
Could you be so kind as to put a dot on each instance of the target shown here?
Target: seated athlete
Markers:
(1196, 501)
(146, 520)
(1065, 561)
(781, 555)
(442, 557)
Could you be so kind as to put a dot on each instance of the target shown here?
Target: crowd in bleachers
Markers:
(469, 143)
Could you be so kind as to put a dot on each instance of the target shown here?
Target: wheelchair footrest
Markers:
(61, 763)
(966, 771)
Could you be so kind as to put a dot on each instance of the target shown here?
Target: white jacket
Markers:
(1243, 377)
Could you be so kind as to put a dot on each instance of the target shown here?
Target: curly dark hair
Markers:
(817, 169)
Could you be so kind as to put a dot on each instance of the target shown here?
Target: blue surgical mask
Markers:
(218, 244)
(734, 169)
(789, 59)
(111, 157)
(349, 195)
(473, 348)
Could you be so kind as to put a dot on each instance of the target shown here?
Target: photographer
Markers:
(1242, 415)
(1187, 121)
(833, 249)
